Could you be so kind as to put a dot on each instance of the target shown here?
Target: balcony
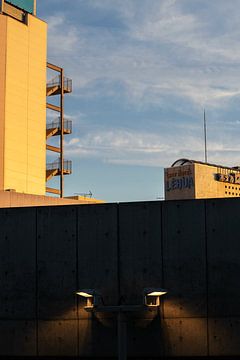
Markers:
(54, 128)
(54, 168)
(54, 86)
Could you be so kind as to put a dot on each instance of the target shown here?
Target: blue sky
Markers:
(143, 71)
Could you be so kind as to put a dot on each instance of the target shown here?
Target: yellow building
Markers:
(190, 179)
(24, 98)
(23, 53)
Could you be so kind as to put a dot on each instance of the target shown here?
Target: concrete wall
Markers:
(14, 199)
(189, 247)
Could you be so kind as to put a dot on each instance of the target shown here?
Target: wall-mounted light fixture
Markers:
(152, 296)
(95, 304)
(93, 297)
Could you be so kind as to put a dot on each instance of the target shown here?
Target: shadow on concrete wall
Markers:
(189, 247)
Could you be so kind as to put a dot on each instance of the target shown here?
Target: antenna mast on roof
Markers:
(205, 135)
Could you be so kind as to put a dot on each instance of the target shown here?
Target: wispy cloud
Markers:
(120, 146)
(178, 56)
(161, 49)
(62, 36)
(126, 147)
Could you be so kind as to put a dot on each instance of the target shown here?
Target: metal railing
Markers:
(57, 124)
(56, 165)
(67, 83)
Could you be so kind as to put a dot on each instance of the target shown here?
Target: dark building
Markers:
(189, 247)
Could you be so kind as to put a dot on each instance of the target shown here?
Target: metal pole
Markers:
(1, 5)
(122, 336)
(205, 136)
(35, 7)
(62, 135)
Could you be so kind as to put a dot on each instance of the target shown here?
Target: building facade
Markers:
(190, 179)
(23, 57)
(24, 98)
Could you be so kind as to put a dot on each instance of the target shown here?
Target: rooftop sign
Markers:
(232, 178)
(179, 178)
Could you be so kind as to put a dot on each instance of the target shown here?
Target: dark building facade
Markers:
(189, 247)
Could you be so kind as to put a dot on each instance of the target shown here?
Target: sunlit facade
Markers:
(23, 56)
(190, 179)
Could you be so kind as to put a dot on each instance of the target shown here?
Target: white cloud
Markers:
(162, 50)
(130, 147)
(62, 36)
(121, 146)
